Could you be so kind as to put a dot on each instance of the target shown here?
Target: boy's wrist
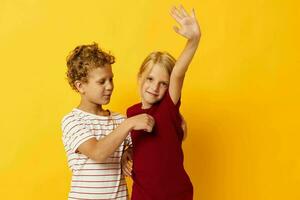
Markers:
(128, 124)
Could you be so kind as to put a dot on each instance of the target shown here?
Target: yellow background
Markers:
(241, 94)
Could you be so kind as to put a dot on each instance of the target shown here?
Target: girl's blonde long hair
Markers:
(163, 59)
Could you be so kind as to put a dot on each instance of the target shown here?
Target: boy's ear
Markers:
(79, 86)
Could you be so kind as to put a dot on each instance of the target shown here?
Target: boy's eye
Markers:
(149, 78)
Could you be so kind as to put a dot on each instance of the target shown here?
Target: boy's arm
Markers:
(189, 29)
(100, 150)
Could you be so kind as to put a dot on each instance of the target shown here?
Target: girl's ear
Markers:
(139, 79)
(79, 86)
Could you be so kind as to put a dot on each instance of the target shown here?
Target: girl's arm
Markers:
(189, 28)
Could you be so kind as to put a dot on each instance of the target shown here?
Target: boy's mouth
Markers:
(107, 95)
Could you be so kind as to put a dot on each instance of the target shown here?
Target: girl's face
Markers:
(154, 85)
(99, 87)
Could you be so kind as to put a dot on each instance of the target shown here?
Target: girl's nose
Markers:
(155, 87)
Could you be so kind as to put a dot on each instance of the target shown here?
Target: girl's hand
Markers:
(184, 127)
(126, 162)
(189, 27)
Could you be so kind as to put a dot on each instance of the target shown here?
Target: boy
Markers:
(94, 138)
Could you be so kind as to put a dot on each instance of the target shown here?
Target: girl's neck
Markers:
(146, 105)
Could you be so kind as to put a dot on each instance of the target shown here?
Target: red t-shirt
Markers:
(158, 171)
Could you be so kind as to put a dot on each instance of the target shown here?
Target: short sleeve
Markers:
(75, 133)
(167, 101)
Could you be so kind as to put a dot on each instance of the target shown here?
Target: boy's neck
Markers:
(93, 109)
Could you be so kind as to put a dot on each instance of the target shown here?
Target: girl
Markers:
(158, 171)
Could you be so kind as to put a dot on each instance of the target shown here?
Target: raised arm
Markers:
(189, 28)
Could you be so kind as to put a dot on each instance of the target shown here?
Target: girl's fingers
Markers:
(193, 13)
(128, 173)
(125, 173)
(178, 30)
(127, 170)
(129, 157)
(177, 12)
(175, 16)
(129, 164)
(183, 11)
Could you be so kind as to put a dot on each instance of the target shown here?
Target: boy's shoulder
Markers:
(74, 114)
(117, 115)
(82, 116)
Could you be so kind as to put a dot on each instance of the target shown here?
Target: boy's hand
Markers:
(143, 122)
(189, 27)
(126, 162)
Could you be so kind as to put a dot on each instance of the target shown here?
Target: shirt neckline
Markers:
(93, 115)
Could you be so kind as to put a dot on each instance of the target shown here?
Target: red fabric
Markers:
(158, 171)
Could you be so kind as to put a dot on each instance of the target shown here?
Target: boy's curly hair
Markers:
(83, 59)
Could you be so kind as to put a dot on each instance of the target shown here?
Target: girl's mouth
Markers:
(153, 94)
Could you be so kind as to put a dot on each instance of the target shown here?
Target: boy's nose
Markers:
(109, 86)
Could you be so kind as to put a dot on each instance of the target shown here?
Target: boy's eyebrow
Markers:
(101, 79)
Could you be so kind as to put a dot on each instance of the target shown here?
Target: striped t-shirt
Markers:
(91, 179)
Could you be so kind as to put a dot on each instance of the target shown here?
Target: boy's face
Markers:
(99, 87)
(154, 86)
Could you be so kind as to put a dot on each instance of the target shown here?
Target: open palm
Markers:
(189, 27)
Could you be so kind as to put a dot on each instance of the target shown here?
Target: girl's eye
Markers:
(101, 82)
(111, 80)
(164, 84)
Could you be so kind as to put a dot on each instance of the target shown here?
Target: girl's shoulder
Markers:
(133, 110)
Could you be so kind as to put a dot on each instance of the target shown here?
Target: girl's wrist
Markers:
(194, 40)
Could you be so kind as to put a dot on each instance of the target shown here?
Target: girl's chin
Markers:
(151, 101)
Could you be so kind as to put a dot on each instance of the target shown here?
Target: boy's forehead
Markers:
(101, 72)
